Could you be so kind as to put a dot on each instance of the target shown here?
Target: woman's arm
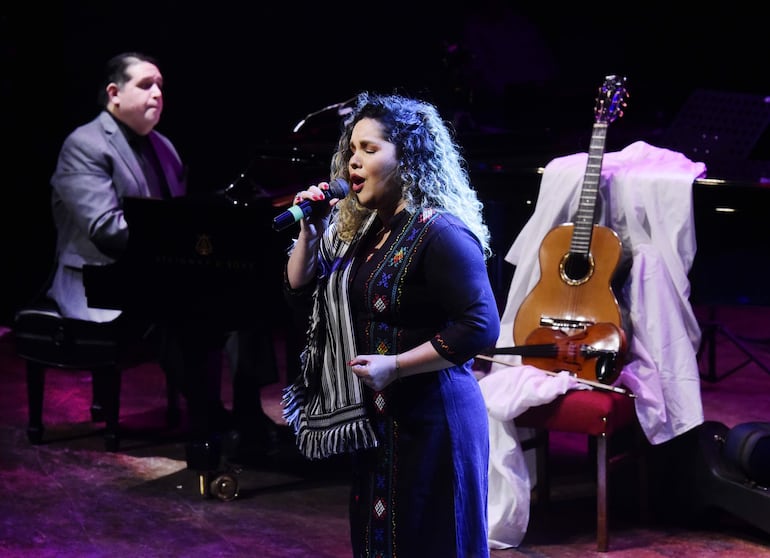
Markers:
(303, 260)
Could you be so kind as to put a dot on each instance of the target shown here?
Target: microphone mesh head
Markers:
(338, 188)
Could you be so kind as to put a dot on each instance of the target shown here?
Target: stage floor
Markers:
(69, 497)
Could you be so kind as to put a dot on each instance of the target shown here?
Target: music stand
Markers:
(723, 130)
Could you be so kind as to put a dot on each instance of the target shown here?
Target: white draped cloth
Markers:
(645, 195)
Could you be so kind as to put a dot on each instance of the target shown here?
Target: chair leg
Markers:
(602, 530)
(644, 480)
(97, 397)
(35, 385)
(106, 388)
(542, 485)
(543, 473)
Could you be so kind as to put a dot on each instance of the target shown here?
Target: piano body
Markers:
(212, 256)
(195, 258)
(732, 263)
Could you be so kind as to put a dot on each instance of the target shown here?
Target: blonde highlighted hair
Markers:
(432, 172)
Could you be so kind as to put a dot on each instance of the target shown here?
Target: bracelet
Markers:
(398, 369)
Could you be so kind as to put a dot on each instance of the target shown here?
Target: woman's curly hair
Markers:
(432, 172)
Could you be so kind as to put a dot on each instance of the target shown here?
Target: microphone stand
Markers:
(342, 110)
(243, 190)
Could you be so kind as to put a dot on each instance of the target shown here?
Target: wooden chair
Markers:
(47, 340)
(603, 416)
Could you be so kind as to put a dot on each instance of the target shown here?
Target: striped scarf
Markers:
(325, 404)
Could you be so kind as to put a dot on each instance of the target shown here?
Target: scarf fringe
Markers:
(292, 401)
(318, 444)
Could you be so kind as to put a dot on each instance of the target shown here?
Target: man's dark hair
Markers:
(115, 71)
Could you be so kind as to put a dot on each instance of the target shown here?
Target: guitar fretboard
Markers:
(584, 219)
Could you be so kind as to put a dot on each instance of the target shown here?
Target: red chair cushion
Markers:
(582, 411)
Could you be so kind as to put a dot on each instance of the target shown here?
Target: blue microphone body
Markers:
(338, 188)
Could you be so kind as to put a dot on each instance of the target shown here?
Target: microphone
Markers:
(338, 188)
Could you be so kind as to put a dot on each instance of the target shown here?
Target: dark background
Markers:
(238, 77)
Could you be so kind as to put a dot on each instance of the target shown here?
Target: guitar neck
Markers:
(586, 213)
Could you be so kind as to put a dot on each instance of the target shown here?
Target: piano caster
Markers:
(222, 485)
(213, 482)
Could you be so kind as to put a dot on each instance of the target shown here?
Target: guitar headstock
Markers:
(611, 99)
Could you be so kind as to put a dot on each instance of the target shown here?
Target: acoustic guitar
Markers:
(578, 260)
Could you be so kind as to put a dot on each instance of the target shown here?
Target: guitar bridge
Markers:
(562, 323)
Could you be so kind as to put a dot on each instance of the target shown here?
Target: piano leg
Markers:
(193, 355)
(253, 364)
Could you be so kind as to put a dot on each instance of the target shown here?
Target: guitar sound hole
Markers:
(576, 268)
